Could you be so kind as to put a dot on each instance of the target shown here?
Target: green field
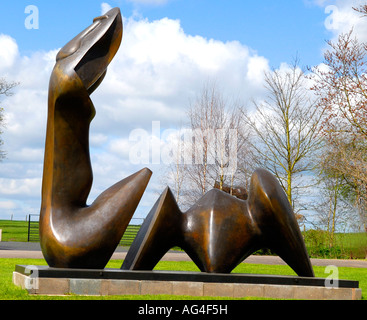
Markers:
(346, 245)
(8, 291)
(18, 231)
(14, 230)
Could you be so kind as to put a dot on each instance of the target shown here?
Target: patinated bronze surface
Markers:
(220, 231)
(72, 234)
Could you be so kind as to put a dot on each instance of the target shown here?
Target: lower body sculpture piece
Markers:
(220, 231)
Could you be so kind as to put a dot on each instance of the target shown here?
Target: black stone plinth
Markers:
(118, 274)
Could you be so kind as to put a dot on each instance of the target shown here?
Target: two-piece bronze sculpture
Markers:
(218, 232)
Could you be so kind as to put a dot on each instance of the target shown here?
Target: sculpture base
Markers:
(44, 280)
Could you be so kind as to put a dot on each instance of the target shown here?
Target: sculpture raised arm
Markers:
(73, 234)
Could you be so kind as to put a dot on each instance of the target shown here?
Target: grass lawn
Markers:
(10, 292)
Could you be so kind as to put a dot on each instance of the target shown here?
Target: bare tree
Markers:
(175, 169)
(341, 84)
(233, 150)
(206, 115)
(244, 153)
(286, 126)
(6, 90)
(210, 149)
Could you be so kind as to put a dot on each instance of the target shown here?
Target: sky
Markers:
(170, 49)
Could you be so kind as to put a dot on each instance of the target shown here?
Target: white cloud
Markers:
(8, 52)
(105, 7)
(8, 205)
(20, 187)
(341, 17)
(120, 147)
(98, 140)
(255, 70)
(156, 72)
(159, 69)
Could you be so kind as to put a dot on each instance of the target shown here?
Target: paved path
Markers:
(32, 250)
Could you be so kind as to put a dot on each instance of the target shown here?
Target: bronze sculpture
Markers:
(220, 231)
(72, 234)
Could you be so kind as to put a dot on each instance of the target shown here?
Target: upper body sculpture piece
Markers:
(73, 234)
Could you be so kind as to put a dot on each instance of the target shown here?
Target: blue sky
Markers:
(170, 49)
(275, 29)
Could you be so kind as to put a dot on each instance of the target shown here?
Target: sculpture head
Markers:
(88, 55)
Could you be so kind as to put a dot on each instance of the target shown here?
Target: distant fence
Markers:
(127, 239)
(131, 231)
(33, 227)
